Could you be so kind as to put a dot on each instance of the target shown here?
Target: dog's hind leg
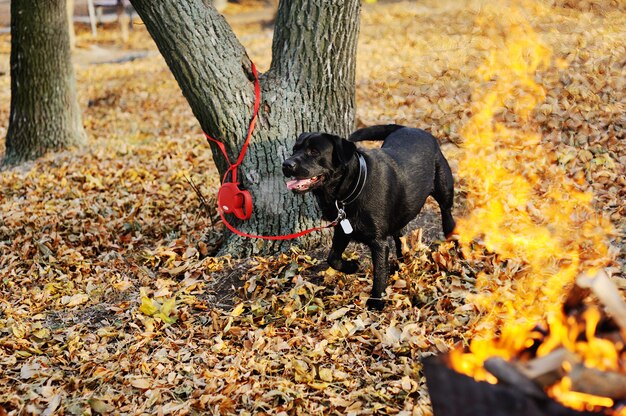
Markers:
(340, 242)
(380, 260)
(398, 244)
(444, 194)
(394, 264)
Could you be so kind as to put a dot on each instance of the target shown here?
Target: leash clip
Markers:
(341, 213)
(342, 219)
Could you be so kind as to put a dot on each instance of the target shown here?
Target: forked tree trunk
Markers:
(44, 111)
(309, 87)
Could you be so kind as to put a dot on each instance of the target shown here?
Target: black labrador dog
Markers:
(371, 194)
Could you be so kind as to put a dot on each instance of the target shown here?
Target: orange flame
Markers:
(526, 209)
(522, 205)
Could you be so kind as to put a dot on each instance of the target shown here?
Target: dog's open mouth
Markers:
(303, 185)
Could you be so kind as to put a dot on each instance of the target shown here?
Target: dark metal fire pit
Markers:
(454, 394)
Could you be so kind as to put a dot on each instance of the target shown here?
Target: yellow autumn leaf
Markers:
(337, 314)
(148, 324)
(318, 385)
(162, 292)
(237, 310)
(77, 299)
(100, 406)
(18, 331)
(167, 311)
(148, 306)
(100, 371)
(43, 333)
(141, 383)
(95, 182)
(122, 285)
(300, 366)
(168, 306)
(326, 374)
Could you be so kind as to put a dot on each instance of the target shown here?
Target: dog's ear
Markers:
(302, 138)
(343, 150)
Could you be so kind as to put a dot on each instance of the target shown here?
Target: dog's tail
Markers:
(378, 133)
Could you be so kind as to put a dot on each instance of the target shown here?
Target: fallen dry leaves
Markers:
(109, 305)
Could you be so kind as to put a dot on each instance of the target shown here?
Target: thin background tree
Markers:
(44, 110)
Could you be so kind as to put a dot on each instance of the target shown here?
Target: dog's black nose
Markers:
(289, 166)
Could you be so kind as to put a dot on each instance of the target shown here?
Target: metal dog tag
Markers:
(346, 226)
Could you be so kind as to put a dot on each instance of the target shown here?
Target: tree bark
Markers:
(44, 110)
(309, 87)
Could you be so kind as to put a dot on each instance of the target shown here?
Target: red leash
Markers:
(231, 199)
(233, 166)
(272, 237)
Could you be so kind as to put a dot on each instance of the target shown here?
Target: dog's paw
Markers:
(375, 304)
(349, 267)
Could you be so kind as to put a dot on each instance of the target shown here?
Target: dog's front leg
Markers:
(380, 260)
(340, 242)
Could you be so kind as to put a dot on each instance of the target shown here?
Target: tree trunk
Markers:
(309, 87)
(44, 110)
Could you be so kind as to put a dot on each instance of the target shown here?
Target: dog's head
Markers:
(317, 158)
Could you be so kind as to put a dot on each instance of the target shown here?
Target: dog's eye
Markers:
(312, 152)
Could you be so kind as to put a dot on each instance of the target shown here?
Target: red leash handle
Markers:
(236, 201)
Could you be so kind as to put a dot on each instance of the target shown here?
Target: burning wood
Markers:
(510, 374)
(608, 294)
(534, 376)
(592, 381)
(579, 359)
(548, 369)
(455, 394)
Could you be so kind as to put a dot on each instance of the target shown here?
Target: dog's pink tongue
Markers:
(298, 184)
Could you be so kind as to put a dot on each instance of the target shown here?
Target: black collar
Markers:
(359, 185)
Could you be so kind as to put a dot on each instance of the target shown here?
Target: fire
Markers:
(526, 209)
(577, 400)
(521, 204)
(562, 332)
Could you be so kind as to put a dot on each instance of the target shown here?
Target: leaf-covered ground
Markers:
(108, 306)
